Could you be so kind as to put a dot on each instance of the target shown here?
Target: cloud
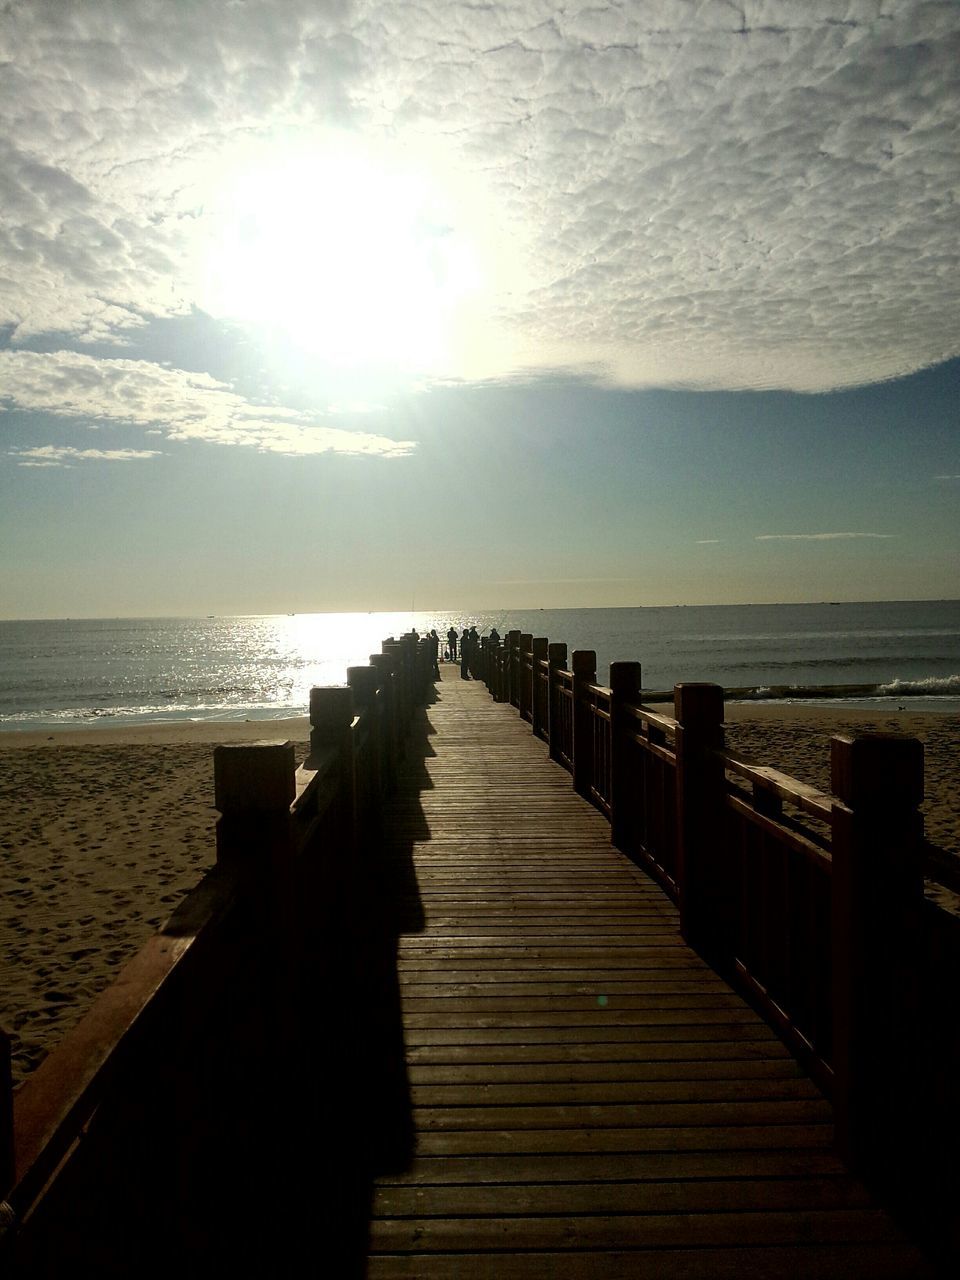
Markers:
(178, 404)
(947, 477)
(816, 537)
(50, 455)
(759, 194)
(707, 542)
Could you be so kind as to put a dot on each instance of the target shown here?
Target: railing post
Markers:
(698, 709)
(584, 672)
(525, 645)
(557, 658)
(624, 691)
(493, 668)
(331, 715)
(364, 681)
(401, 692)
(383, 663)
(513, 668)
(254, 786)
(540, 649)
(877, 890)
(503, 672)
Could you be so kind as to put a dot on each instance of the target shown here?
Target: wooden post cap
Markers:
(557, 655)
(526, 642)
(383, 662)
(253, 777)
(625, 680)
(584, 663)
(697, 704)
(513, 639)
(881, 770)
(364, 681)
(540, 646)
(331, 706)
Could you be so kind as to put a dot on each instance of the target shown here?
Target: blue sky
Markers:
(366, 305)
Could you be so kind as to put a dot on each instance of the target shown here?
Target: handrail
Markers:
(655, 718)
(259, 811)
(796, 909)
(55, 1102)
(813, 801)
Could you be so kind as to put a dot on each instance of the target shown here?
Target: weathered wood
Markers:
(699, 712)
(584, 667)
(539, 698)
(625, 682)
(556, 661)
(877, 892)
(584, 1088)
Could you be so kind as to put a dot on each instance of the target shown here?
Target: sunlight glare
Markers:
(346, 251)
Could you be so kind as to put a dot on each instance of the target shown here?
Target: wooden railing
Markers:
(253, 935)
(812, 904)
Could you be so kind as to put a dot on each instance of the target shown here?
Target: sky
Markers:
(361, 305)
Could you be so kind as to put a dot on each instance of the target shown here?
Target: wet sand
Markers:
(102, 832)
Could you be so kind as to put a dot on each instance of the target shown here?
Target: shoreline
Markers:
(182, 731)
(104, 830)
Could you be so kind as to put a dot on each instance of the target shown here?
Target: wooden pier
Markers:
(514, 977)
(589, 1098)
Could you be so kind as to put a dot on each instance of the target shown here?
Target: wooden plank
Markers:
(643, 1051)
(446, 1073)
(772, 1137)
(887, 1261)
(514, 1093)
(608, 1166)
(651, 1231)
(698, 1195)
(589, 1098)
(623, 1115)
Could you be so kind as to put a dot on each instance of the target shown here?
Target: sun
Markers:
(348, 251)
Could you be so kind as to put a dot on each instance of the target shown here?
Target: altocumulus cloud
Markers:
(50, 455)
(171, 402)
(702, 192)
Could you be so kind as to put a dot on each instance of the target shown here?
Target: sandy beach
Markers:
(102, 831)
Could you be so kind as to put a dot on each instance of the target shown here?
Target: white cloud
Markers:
(816, 537)
(707, 542)
(947, 477)
(51, 455)
(181, 405)
(698, 192)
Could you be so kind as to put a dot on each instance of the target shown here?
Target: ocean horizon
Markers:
(65, 673)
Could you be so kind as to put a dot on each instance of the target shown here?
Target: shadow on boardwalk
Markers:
(222, 1150)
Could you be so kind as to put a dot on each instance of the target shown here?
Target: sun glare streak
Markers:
(350, 253)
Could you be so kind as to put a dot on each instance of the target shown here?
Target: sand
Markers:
(102, 832)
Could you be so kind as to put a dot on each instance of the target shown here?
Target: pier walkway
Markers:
(588, 1098)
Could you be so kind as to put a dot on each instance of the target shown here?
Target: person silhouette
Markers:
(452, 641)
(435, 650)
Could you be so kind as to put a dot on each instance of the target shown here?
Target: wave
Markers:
(932, 686)
(920, 688)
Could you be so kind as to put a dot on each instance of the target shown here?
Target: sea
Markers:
(119, 671)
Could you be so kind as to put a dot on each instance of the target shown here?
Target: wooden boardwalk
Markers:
(589, 1098)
